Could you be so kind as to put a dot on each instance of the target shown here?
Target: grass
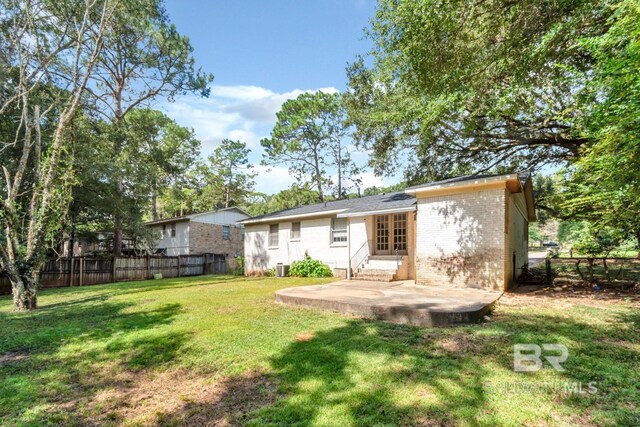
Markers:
(220, 351)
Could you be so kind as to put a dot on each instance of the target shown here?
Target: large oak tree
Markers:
(464, 86)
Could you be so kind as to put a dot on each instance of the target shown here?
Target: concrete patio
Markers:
(400, 302)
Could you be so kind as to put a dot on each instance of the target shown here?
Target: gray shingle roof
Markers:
(378, 202)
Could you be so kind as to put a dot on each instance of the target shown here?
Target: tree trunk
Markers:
(25, 292)
(154, 203)
(117, 234)
(318, 172)
(590, 269)
(118, 144)
(339, 170)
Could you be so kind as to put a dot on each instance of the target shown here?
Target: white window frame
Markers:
(342, 232)
(296, 238)
(173, 229)
(271, 234)
(226, 232)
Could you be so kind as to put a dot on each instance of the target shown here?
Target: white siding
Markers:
(178, 245)
(315, 239)
(518, 236)
(360, 233)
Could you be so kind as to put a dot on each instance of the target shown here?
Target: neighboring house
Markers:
(214, 232)
(468, 231)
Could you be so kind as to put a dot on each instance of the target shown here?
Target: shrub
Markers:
(270, 272)
(310, 267)
(238, 270)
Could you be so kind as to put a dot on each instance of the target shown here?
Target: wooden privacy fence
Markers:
(80, 271)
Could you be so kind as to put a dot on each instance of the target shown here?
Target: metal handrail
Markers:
(360, 256)
(397, 257)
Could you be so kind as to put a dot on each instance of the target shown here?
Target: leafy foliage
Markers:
(466, 86)
(598, 242)
(296, 195)
(309, 267)
(309, 138)
(228, 176)
(603, 186)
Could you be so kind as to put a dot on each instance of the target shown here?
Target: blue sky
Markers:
(261, 54)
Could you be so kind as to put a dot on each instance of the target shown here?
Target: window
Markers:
(273, 235)
(173, 229)
(164, 230)
(225, 232)
(295, 231)
(338, 230)
(242, 234)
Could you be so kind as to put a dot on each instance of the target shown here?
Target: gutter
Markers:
(462, 184)
(274, 219)
(378, 212)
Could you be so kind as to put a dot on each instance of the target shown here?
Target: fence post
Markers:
(547, 264)
(148, 266)
(81, 271)
(71, 271)
(113, 265)
(178, 265)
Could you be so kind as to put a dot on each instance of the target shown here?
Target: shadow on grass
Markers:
(348, 376)
(369, 373)
(71, 352)
(128, 288)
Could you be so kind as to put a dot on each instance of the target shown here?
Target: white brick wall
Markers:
(460, 239)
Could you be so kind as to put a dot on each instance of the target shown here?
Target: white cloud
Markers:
(261, 105)
(272, 179)
(369, 179)
(247, 113)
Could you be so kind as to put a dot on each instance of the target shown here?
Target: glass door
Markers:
(400, 233)
(382, 235)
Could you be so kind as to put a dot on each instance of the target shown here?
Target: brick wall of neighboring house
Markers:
(208, 238)
(460, 239)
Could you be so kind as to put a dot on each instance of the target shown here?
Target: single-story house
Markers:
(216, 232)
(469, 231)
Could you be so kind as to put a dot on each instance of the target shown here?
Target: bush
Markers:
(310, 267)
(238, 270)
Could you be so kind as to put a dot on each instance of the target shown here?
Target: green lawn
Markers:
(219, 350)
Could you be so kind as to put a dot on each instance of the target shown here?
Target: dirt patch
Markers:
(171, 398)
(459, 343)
(13, 357)
(304, 336)
(565, 294)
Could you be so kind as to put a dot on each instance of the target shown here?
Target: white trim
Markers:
(279, 219)
(381, 211)
(464, 183)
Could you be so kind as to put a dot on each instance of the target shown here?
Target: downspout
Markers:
(349, 248)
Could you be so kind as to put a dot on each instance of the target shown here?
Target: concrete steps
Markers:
(380, 268)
